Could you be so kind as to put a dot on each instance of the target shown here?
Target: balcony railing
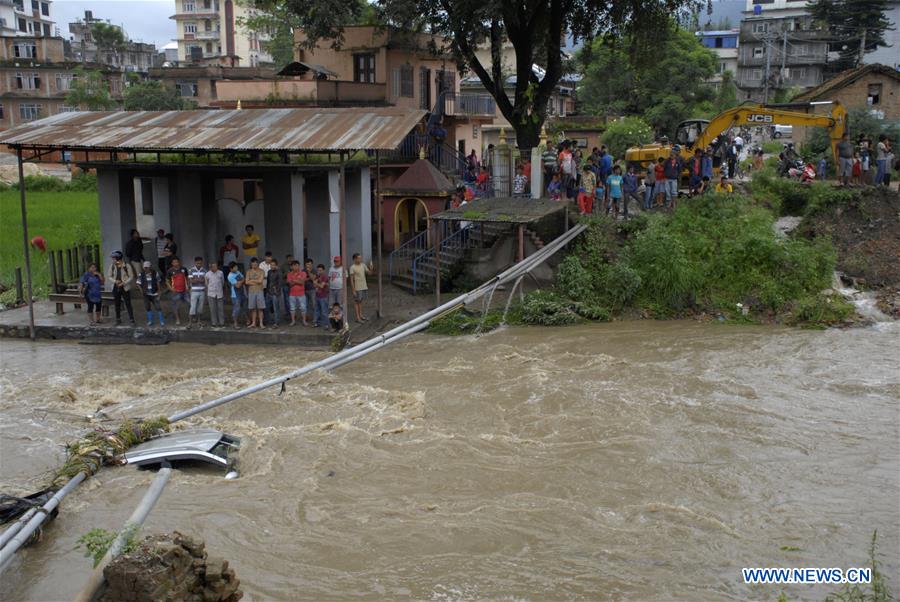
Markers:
(469, 105)
(212, 34)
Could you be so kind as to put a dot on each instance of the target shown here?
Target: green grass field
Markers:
(64, 219)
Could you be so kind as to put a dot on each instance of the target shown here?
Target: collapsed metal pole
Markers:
(28, 284)
(15, 528)
(136, 519)
(375, 342)
(37, 519)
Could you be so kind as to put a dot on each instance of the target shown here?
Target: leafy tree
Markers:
(109, 40)
(91, 91)
(857, 25)
(627, 132)
(153, 96)
(535, 29)
(664, 89)
(726, 96)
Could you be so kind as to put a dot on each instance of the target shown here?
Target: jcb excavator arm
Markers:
(761, 115)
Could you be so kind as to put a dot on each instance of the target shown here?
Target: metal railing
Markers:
(400, 260)
(469, 104)
(453, 246)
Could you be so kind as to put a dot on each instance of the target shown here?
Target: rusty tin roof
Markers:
(302, 129)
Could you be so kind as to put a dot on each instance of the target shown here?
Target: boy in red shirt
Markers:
(296, 280)
(177, 281)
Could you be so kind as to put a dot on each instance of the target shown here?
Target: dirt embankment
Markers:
(866, 236)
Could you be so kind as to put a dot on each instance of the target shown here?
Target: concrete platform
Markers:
(73, 325)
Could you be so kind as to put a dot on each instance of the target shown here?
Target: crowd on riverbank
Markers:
(263, 293)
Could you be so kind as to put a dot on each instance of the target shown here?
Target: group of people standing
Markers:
(267, 295)
(600, 186)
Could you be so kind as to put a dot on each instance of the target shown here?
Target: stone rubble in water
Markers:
(170, 567)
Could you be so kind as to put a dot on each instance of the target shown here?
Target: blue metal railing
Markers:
(453, 244)
(401, 258)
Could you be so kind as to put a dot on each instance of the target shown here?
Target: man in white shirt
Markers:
(215, 294)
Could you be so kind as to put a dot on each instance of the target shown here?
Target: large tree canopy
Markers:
(91, 91)
(858, 26)
(664, 88)
(535, 28)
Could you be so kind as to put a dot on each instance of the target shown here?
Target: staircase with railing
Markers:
(413, 267)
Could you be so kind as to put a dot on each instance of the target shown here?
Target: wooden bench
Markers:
(73, 297)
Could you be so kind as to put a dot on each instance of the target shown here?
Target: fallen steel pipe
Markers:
(37, 520)
(136, 519)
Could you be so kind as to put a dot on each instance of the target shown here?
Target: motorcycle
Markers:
(803, 173)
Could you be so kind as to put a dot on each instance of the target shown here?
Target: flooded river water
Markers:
(629, 461)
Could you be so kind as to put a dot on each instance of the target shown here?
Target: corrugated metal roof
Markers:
(313, 129)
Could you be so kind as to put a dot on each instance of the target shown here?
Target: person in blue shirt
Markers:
(554, 188)
(614, 184)
(606, 164)
(706, 165)
(236, 280)
(91, 288)
(629, 189)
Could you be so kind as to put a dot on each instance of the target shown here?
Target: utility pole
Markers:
(768, 40)
(862, 48)
(783, 53)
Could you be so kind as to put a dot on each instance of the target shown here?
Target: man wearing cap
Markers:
(150, 283)
(336, 275)
(121, 276)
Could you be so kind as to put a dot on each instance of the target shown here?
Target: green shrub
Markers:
(547, 308)
(820, 310)
(660, 260)
(573, 280)
(83, 182)
(592, 312)
(42, 184)
(627, 132)
(619, 284)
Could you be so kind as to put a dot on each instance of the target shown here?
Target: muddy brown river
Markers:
(628, 461)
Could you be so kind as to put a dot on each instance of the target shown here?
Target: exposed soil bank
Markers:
(865, 233)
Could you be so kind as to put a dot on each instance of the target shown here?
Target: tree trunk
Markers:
(528, 135)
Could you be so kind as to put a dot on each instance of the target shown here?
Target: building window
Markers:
(756, 74)
(67, 109)
(364, 68)
(186, 88)
(28, 81)
(801, 49)
(29, 112)
(187, 6)
(719, 43)
(723, 67)
(35, 5)
(190, 28)
(47, 31)
(64, 81)
(45, 9)
(874, 94)
(23, 25)
(115, 85)
(758, 51)
(25, 50)
(402, 81)
(19, 5)
(760, 28)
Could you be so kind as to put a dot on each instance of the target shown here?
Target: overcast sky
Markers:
(143, 20)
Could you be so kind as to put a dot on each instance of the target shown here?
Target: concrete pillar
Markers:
(209, 213)
(162, 204)
(278, 211)
(115, 192)
(537, 173)
(298, 209)
(359, 213)
(334, 214)
(187, 215)
(318, 221)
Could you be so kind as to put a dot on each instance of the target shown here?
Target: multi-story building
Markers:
(35, 78)
(135, 57)
(724, 43)
(779, 47)
(200, 83)
(209, 32)
(26, 18)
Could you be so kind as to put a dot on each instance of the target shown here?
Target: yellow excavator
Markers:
(700, 133)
